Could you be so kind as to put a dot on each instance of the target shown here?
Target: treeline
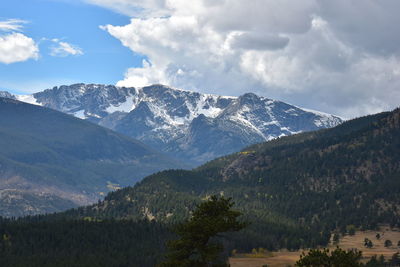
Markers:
(65, 243)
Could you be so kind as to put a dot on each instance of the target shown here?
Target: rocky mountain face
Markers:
(188, 125)
(50, 161)
(6, 94)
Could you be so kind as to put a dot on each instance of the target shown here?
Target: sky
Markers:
(340, 57)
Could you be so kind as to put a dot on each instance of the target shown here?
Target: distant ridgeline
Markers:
(293, 190)
(190, 126)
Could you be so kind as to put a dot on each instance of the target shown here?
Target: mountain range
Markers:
(294, 192)
(50, 161)
(189, 126)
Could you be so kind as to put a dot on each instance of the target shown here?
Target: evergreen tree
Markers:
(368, 243)
(395, 260)
(199, 244)
(325, 258)
(336, 238)
(388, 243)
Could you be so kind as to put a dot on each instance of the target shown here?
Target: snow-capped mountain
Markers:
(6, 94)
(189, 125)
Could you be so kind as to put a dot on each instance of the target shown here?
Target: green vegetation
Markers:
(326, 258)
(351, 229)
(388, 243)
(342, 258)
(61, 243)
(199, 244)
(335, 238)
(368, 243)
(295, 190)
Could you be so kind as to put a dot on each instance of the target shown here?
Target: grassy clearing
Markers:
(357, 241)
(288, 258)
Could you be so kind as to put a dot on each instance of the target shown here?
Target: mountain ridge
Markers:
(163, 117)
(55, 160)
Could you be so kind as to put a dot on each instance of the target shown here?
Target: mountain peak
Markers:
(166, 121)
(249, 96)
(6, 94)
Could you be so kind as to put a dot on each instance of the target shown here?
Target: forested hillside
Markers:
(295, 190)
(66, 243)
(50, 161)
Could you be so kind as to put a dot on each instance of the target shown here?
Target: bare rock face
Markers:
(6, 94)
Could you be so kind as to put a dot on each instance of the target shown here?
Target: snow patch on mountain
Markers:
(126, 106)
(80, 114)
(6, 94)
(30, 99)
(325, 119)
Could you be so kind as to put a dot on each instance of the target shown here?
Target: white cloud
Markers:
(63, 49)
(337, 56)
(12, 25)
(16, 47)
(251, 41)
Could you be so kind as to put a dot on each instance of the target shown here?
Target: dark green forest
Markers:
(34, 242)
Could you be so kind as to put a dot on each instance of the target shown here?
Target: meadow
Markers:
(356, 241)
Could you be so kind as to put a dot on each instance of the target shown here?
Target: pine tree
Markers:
(388, 243)
(325, 258)
(199, 244)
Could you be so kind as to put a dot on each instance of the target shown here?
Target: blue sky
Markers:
(340, 57)
(104, 59)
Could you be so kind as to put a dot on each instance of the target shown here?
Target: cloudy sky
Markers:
(341, 56)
